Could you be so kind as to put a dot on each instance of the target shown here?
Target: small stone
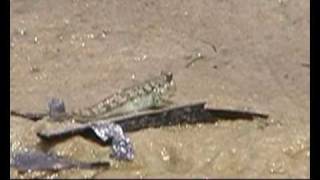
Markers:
(105, 33)
(60, 38)
(34, 69)
(165, 155)
(138, 173)
(144, 57)
(66, 21)
(90, 36)
(166, 158)
(36, 40)
(277, 167)
(137, 58)
(22, 31)
(272, 120)
(233, 150)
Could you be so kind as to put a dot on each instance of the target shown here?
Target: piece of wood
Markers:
(31, 116)
(40, 161)
(181, 114)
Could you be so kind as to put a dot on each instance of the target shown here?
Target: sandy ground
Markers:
(256, 56)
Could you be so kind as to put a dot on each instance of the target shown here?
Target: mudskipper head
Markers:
(167, 75)
(168, 85)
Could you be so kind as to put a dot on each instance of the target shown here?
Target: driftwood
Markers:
(39, 161)
(182, 114)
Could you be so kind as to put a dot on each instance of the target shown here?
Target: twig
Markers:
(30, 116)
(37, 160)
(199, 57)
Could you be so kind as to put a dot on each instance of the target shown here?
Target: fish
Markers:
(151, 94)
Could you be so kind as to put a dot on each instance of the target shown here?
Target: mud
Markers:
(255, 55)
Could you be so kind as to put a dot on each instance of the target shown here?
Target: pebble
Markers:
(103, 35)
(60, 38)
(90, 36)
(22, 31)
(144, 57)
(164, 154)
(277, 167)
(34, 69)
(36, 40)
(233, 150)
(66, 21)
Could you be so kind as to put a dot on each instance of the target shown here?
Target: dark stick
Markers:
(235, 114)
(30, 116)
(183, 114)
(305, 65)
(37, 160)
(70, 130)
(193, 61)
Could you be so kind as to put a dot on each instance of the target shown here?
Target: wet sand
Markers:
(254, 55)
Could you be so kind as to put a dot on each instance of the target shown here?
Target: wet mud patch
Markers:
(82, 51)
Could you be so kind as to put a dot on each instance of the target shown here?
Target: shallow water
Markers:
(253, 51)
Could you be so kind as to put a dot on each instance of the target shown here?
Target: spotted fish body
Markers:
(149, 94)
